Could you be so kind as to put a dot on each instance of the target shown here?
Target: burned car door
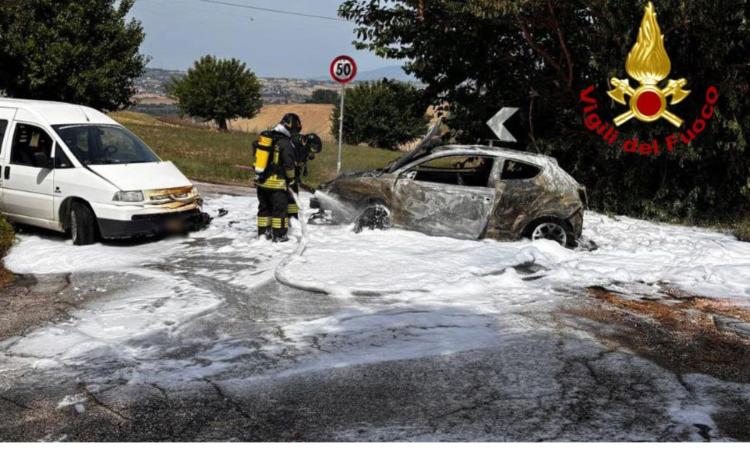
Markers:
(518, 193)
(445, 196)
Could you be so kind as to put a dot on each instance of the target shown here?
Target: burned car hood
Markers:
(423, 148)
(376, 173)
(364, 173)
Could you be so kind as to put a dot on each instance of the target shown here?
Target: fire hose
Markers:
(283, 277)
(280, 273)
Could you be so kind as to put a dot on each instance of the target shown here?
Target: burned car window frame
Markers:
(492, 179)
(505, 161)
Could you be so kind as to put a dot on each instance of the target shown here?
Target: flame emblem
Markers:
(648, 63)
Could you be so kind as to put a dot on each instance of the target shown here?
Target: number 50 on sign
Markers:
(343, 69)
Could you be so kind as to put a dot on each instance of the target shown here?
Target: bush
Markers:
(7, 236)
(324, 97)
(742, 230)
(217, 89)
(384, 114)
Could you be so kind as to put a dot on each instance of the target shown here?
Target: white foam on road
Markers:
(160, 295)
(630, 251)
(414, 271)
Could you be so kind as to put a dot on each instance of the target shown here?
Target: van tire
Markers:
(82, 224)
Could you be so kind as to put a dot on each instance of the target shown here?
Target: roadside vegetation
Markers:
(324, 97)
(207, 155)
(217, 90)
(7, 237)
(383, 113)
(742, 229)
(77, 51)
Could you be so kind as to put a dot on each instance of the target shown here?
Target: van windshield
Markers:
(105, 144)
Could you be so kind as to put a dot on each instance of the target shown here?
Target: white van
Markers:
(73, 169)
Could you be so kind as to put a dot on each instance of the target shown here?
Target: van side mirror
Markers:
(42, 160)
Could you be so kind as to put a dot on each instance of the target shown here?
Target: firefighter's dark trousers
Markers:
(272, 212)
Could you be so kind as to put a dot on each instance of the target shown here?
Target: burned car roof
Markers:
(534, 158)
(419, 153)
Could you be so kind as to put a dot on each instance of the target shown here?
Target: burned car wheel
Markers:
(554, 230)
(373, 217)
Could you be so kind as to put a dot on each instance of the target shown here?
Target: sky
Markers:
(273, 45)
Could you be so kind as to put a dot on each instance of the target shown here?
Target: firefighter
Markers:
(306, 146)
(274, 166)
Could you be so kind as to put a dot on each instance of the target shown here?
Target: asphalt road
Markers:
(180, 351)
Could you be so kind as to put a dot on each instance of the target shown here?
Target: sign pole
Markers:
(341, 128)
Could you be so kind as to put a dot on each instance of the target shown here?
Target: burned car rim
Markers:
(551, 231)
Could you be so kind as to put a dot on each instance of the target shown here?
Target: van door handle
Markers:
(7, 173)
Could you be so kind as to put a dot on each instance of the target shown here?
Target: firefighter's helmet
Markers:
(292, 123)
(313, 142)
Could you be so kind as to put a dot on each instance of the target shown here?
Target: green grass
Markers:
(208, 155)
(7, 236)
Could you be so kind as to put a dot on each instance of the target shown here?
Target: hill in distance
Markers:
(390, 72)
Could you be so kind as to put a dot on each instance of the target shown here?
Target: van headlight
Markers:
(128, 196)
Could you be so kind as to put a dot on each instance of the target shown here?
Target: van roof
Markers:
(57, 113)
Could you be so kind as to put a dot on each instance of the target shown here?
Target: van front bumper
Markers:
(143, 225)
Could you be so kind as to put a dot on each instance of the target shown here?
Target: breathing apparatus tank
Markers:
(263, 149)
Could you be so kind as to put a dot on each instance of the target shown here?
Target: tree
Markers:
(478, 55)
(382, 114)
(324, 97)
(218, 90)
(79, 51)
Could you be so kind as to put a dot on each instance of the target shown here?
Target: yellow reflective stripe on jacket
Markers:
(273, 182)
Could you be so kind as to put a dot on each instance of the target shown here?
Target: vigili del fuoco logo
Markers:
(649, 65)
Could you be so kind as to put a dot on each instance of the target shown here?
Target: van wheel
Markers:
(552, 229)
(82, 224)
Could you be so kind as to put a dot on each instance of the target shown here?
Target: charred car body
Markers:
(471, 192)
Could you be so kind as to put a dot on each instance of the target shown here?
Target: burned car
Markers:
(462, 191)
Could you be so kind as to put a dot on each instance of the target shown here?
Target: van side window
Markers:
(3, 127)
(514, 170)
(28, 143)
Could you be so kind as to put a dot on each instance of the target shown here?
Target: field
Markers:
(315, 119)
(208, 155)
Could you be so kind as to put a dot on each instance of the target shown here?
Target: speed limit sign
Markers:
(343, 69)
